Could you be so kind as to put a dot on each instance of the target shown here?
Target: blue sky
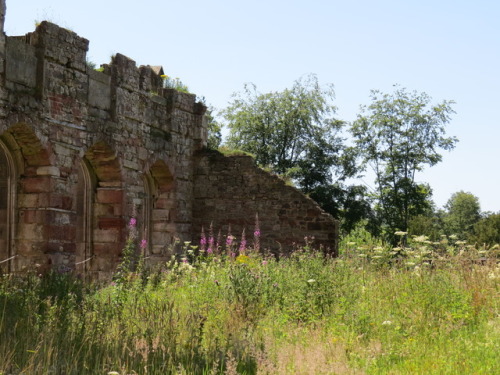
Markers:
(449, 49)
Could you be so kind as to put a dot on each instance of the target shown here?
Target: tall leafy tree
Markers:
(463, 211)
(294, 132)
(397, 135)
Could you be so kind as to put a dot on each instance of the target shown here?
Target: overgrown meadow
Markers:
(421, 308)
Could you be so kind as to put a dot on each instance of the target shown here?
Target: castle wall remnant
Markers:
(83, 151)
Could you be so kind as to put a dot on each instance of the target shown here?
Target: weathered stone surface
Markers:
(83, 151)
(232, 191)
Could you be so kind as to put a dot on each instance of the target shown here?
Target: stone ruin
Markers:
(83, 151)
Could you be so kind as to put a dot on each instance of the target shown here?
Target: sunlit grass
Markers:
(425, 308)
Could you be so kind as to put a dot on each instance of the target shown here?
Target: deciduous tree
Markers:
(462, 212)
(294, 132)
(397, 135)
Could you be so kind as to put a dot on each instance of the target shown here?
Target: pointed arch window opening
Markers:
(87, 183)
(8, 178)
(147, 212)
(158, 211)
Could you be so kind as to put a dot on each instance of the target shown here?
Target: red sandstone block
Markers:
(110, 223)
(30, 171)
(61, 232)
(39, 184)
(60, 201)
(109, 196)
(100, 249)
(55, 200)
(32, 216)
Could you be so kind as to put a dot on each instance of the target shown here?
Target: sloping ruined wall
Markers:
(84, 151)
(231, 191)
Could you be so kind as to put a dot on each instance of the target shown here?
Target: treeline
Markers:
(296, 134)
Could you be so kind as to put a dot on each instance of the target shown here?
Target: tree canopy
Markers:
(293, 132)
(462, 212)
(397, 135)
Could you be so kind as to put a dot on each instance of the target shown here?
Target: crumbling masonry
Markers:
(83, 151)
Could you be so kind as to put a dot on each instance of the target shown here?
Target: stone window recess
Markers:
(85, 195)
(7, 200)
(159, 211)
(103, 226)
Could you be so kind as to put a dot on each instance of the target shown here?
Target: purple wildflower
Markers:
(243, 242)
(210, 249)
(133, 222)
(203, 240)
(211, 239)
(144, 244)
(256, 233)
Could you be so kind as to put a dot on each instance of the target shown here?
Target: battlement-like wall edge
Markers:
(84, 151)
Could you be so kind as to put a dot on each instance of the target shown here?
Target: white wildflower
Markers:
(420, 238)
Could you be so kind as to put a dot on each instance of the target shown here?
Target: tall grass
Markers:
(373, 310)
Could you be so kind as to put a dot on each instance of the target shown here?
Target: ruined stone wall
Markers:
(84, 151)
(231, 191)
(88, 150)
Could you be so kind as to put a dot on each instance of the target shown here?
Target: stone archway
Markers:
(36, 216)
(159, 216)
(103, 204)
